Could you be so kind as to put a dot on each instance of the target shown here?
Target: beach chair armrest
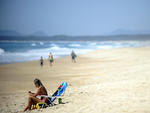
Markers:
(44, 96)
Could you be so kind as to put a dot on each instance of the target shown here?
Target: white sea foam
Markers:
(104, 47)
(75, 45)
(41, 43)
(93, 44)
(33, 44)
(2, 51)
(55, 48)
(53, 44)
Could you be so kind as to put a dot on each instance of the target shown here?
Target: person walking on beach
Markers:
(73, 56)
(41, 61)
(33, 97)
(51, 59)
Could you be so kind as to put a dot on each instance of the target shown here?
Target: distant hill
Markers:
(15, 33)
(128, 32)
(42, 33)
(9, 33)
(119, 34)
(77, 38)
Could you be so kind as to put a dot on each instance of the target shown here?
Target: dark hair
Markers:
(38, 82)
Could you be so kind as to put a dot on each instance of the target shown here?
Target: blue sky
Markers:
(74, 17)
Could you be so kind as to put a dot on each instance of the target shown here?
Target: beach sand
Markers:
(102, 81)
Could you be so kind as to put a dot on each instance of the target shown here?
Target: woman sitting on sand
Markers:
(33, 100)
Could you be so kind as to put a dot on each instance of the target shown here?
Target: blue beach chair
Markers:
(61, 89)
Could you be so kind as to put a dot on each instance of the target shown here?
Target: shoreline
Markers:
(117, 80)
(69, 55)
(32, 61)
(33, 50)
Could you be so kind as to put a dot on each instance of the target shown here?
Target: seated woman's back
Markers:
(42, 90)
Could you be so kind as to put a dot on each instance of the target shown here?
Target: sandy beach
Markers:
(102, 81)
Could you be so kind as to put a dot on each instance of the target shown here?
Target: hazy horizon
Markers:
(75, 18)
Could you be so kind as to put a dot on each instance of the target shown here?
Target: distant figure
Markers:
(41, 61)
(73, 56)
(51, 59)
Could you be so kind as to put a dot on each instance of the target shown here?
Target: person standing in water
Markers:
(41, 61)
(73, 56)
(51, 59)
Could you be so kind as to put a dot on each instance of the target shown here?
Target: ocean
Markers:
(21, 51)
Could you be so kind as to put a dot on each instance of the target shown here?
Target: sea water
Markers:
(20, 51)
